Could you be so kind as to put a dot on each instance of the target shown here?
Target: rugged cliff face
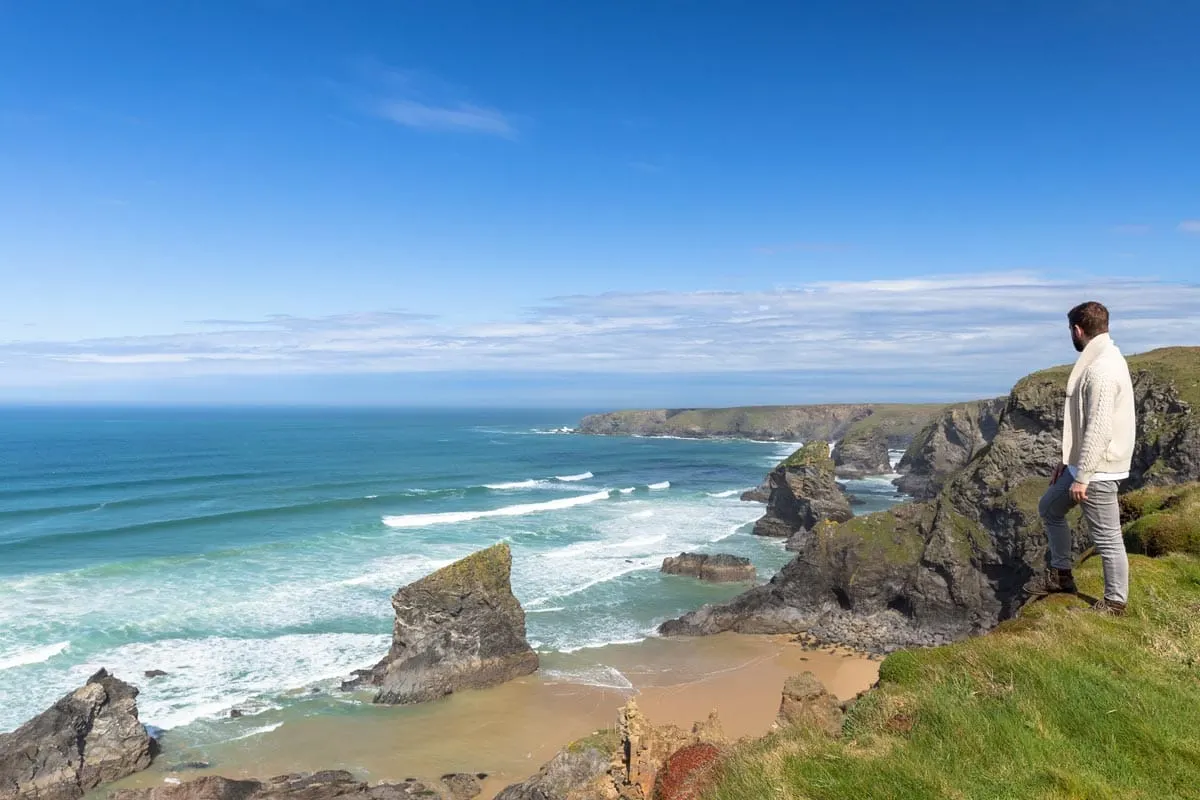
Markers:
(458, 628)
(944, 445)
(898, 422)
(803, 492)
(936, 571)
(863, 451)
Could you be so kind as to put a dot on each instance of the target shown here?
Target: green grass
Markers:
(896, 420)
(1057, 703)
(1162, 519)
(812, 454)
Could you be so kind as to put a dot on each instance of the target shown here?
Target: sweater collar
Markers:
(1097, 346)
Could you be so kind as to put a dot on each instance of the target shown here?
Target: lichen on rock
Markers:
(458, 628)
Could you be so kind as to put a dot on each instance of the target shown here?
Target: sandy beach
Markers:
(509, 731)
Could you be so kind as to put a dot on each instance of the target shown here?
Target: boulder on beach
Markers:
(715, 568)
(806, 702)
(89, 737)
(458, 628)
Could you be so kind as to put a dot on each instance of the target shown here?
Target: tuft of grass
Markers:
(1162, 519)
(1058, 703)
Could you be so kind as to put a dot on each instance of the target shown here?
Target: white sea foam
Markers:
(661, 485)
(601, 675)
(529, 484)
(583, 476)
(257, 732)
(545, 610)
(629, 490)
(370, 497)
(32, 655)
(641, 515)
(449, 517)
(726, 493)
(207, 676)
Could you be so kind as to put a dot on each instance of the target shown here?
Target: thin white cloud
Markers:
(422, 101)
(1131, 229)
(956, 329)
(461, 117)
(1190, 226)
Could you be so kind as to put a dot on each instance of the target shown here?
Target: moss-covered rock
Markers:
(1160, 520)
(458, 628)
(802, 491)
(957, 564)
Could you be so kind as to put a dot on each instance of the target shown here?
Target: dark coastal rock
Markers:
(325, 785)
(806, 702)
(154, 673)
(89, 737)
(946, 444)
(933, 572)
(803, 493)
(459, 628)
(862, 451)
(717, 568)
(759, 494)
(568, 776)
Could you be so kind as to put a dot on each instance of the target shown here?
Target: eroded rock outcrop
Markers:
(714, 568)
(946, 444)
(806, 702)
(803, 493)
(458, 628)
(862, 451)
(625, 764)
(89, 737)
(932, 572)
(325, 785)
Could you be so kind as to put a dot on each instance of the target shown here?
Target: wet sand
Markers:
(509, 731)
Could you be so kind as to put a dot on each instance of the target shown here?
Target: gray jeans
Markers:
(1103, 518)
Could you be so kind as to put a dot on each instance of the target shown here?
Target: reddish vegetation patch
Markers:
(686, 772)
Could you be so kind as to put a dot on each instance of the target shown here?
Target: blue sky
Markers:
(600, 203)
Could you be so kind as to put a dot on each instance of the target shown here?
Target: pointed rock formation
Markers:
(458, 628)
(946, 444)
(803, 493)
(89, 737)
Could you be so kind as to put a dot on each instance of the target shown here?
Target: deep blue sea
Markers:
(251, 554)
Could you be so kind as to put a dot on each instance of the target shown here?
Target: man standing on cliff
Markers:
(1097, 447)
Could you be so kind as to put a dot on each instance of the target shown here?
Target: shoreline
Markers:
(509, 731)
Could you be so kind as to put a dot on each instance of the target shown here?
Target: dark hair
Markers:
(1091, 317)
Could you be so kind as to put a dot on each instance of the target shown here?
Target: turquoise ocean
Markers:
(251, 554)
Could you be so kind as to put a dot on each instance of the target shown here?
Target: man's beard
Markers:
(1079, 343)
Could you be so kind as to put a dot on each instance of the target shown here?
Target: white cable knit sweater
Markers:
(1100, 421)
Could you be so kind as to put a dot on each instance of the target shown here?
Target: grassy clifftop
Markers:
(1057, 703)
(898, 421)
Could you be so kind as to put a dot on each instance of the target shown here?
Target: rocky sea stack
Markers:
(803, 492)
(458, 628)
(952, 566)
(715, 568)
(89, 737)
